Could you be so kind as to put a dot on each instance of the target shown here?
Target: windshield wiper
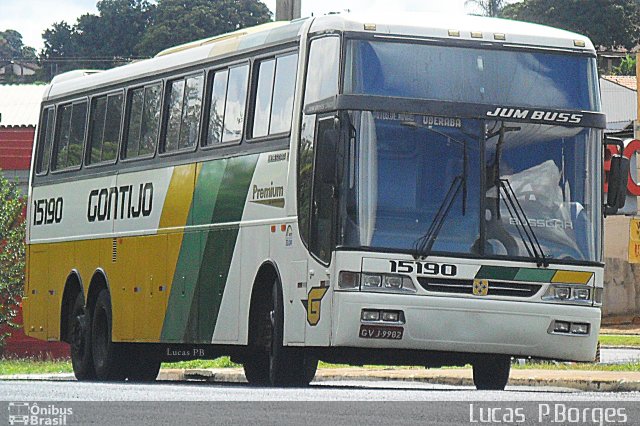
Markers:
(525, 230)
(517, 213)
(424, 244)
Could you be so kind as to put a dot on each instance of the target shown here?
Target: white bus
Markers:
(417, 190)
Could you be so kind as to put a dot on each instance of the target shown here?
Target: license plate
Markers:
(381, 332)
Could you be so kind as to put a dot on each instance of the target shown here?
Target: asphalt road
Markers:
(335, 403)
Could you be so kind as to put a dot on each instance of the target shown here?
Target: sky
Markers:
(32, 17)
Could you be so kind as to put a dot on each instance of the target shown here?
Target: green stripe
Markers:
(535, 275)
(497, 273)
(205, 256)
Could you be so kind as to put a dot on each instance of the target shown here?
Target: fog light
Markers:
(561, 327)
(371, 280)
(390, 316)
(563, 293)
(369, 315)
(348, 280)
(579, 328)
(581, 293)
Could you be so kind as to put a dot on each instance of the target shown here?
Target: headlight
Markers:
(564, 293)
(388, 283)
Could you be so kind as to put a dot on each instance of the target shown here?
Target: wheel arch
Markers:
(72, 287)
(261, 285)
(98, 282)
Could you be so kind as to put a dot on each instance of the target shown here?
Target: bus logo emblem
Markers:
(312, 303)
(480, 287)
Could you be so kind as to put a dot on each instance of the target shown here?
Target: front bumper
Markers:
(469, 325)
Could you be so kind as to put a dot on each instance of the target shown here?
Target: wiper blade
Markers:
(531, 243)
(424, 244)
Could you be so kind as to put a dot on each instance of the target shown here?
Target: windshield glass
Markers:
(501, 77)
(406, 175)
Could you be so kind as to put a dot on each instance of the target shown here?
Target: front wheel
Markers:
(288, 366)
(491, 372)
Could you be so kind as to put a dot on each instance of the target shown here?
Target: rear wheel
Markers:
(79, 327)
(107, 355)
(491, 372)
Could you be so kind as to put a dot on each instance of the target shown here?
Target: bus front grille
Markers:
(496, 288)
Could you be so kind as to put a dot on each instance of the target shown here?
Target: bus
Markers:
(422, 189)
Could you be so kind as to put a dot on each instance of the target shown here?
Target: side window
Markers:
(143, 121)
(105, 117)
(321, 82)
(69, 139)
(227, 108)
(183, 107)
(216, 110)
(323, 69)
(274, 96)
(45, 140)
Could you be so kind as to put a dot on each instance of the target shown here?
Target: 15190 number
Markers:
(423, 268)
(47, 211)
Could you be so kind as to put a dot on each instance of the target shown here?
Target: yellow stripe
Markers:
(572, 277)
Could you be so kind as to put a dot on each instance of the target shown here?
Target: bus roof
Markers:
(455, 26)
(459, 27)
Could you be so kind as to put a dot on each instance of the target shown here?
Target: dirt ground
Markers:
(620, 325)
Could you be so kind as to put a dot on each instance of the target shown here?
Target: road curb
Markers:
(458, 377)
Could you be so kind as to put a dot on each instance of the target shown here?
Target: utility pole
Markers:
(287, 10)
(636, 127)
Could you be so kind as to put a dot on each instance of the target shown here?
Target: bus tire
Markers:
(79, 326)
(491, 372)
(144, 365)
(287, 366)
(107, 355)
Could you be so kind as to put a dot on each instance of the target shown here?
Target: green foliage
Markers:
(610, 24)
(488, 7)
(126, 29)
(626, 67)
(12, 48)
(177, 21)
(12, 251)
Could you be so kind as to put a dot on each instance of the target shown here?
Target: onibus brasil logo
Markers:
(25, 413)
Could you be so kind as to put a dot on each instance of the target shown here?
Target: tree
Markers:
(488, 7)
(97, 41)
(12, 251)
(626, 67)
(610, 24)
(178, 21)
(11, 46)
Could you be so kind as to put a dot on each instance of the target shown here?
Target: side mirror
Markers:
(618, 178)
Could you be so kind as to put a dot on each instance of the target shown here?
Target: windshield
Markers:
(457, 74)
(420, 183)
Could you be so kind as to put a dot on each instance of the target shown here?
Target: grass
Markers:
(583, 366)
(33, 366)
(619, 340)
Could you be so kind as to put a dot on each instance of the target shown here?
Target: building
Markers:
(19, 110)
(14, 70)
(619, 102)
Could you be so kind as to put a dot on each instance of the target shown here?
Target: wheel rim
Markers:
(77, 336)
(100, 338)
